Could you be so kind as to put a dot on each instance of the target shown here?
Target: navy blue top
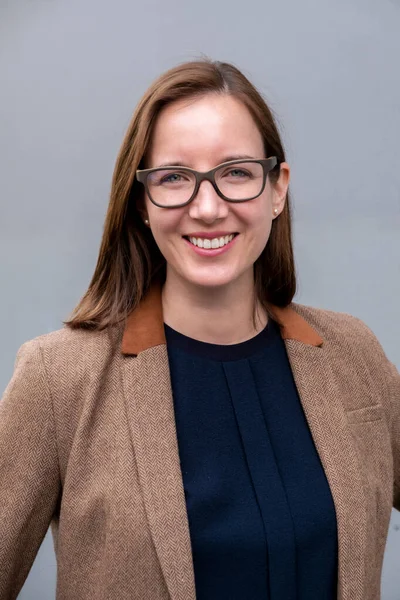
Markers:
(261, 516)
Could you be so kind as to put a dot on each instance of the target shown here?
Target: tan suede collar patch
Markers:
(145, 326)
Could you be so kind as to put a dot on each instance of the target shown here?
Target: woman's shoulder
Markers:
(344, 335)
(67, 364)
(72, 351)
(354, 350)
(68, 340)
(332, 325)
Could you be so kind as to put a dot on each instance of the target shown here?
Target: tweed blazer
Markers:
(88, 444)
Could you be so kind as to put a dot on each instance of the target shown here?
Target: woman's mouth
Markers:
(217, 242)
(211, 246)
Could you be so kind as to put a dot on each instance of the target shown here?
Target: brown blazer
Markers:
(88, 443)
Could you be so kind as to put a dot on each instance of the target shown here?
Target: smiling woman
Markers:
(232, 199)
(205, 120)
(192, 433)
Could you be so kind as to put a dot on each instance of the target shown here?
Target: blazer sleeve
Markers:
(29, 470)
(394, 390)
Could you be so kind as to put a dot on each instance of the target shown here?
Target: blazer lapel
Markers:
(151, 418)
(321, 402)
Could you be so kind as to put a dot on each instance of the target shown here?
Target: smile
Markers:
(217, 242)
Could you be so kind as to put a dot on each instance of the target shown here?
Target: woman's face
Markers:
(202, 134)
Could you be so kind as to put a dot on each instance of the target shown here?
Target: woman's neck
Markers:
(216, 316)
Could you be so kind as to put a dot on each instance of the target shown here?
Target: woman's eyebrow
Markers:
(179, 163)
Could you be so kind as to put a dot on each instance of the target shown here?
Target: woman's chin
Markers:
(211, 279)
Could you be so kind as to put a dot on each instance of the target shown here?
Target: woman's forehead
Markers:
(217, 125)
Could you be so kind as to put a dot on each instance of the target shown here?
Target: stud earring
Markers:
(147, 222)
(275, 211)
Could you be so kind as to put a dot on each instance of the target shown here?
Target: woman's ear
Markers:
(143, 214)
(280, 189)
(141, 208)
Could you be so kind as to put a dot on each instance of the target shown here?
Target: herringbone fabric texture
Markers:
(88, 444)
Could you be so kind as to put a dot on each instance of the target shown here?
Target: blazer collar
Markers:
(144, 327)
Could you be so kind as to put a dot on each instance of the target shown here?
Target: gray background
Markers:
(71, 72)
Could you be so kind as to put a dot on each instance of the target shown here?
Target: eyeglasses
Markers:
(234, 181)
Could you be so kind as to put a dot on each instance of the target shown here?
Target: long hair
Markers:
(129, 259)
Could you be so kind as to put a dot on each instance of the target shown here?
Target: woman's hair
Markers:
(129, 259)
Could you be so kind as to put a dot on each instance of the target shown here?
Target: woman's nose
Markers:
(207, 205)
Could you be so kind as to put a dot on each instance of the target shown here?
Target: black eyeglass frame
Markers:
(267, 163)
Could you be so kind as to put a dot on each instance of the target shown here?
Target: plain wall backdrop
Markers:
(71, 73)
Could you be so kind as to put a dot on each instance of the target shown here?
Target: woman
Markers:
(192, 432)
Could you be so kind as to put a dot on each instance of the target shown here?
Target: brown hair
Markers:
(129, 259)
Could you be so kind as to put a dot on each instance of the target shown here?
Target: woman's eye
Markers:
(174, 178)
(237, 173)
(171, 178)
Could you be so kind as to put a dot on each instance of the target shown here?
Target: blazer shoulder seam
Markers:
(51, 398)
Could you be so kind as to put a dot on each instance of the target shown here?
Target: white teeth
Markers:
(214, 243)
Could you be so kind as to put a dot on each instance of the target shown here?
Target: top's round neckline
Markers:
(220, 352)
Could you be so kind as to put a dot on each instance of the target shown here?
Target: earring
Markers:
(275, 211)
(146, 222)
